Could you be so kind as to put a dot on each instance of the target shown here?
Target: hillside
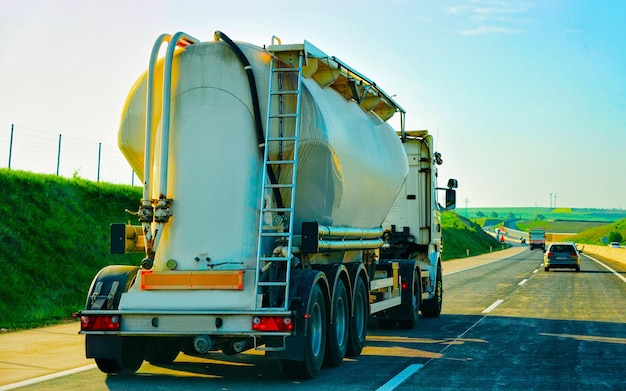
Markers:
(53, 240)
(601, 235)
(460, 234)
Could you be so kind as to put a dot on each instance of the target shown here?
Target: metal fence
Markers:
(52, 153)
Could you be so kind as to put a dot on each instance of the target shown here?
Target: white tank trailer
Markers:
(280, 211)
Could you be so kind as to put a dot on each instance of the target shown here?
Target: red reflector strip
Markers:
(167, 279)
(272, 323)
(100, 322)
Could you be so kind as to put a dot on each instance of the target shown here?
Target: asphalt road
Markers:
(506, 325)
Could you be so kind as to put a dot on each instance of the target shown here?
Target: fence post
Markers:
(99, 156)
(10, 146)
(59, 155)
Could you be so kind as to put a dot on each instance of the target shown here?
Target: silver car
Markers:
(561, 255)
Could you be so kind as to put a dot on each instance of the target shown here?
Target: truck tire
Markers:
(338, 330)
(130, 359)
(412, 300)
(315, 345)
(359, 318)
(432, 307)
(162, 350)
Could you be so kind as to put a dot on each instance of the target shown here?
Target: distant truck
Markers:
(537, 238)
(283, 238)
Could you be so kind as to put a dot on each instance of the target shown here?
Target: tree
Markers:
(493, 214)
(480, 214)
(615, 236)
(540, 217)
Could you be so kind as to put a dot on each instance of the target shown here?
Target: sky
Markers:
(526, 99)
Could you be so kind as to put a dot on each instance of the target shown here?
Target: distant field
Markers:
(546, 214)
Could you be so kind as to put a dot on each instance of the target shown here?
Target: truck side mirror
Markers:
(453, 183)
(450, 199)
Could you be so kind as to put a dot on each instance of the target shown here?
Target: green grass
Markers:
(599, 235)
(53, 240)
(460, 234)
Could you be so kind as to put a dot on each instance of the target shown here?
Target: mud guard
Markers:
(302, 281)
(105, 294)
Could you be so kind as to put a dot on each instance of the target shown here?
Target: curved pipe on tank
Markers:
(185, 40)
(255, 106)
(146, 204)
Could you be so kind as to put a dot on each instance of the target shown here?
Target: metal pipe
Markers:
(355, 244)
(349, 232)
(147, 159)
(166, 110)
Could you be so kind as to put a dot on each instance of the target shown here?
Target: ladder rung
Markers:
(290, 138)
(284, 115)
(274, 259)
(286, 69)
(275, 234)
(281, 161)
(285, 92)
(279, 186)
(267, 283)
(277, 210)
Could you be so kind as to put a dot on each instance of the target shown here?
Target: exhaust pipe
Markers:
(203, 343)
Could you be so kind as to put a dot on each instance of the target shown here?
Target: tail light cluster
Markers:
(100, 322)
(272, 323)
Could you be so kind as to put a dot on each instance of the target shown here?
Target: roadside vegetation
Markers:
(54, 238)
(460, 235)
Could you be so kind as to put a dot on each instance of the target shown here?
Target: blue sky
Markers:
(525, 98)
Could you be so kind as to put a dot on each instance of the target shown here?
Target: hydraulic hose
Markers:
(255, 107)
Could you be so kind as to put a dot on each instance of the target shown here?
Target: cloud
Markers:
(491, 29)
(491, 16)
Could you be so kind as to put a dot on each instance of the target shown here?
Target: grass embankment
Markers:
(598, 235)
(460, 234)
(53, 240)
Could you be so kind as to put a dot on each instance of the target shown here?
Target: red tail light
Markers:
(100, 322)
(272, 323)
(404, 285)
(572, 255)
(550, 255)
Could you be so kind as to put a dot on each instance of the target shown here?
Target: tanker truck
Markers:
(280, 211)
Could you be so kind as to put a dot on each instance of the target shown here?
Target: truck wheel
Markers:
(358, 321)
(162, 350)
(129, 361)
(339, 327)
(413, 309)
(315, 345)
(432, 307)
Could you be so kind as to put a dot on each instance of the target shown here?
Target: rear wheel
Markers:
(130, 359)
(162, 350)
(414, 308)
(358, 321)
(339, 327)
(432, 306)
(315, 345)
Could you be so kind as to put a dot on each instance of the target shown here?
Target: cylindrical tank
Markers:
(351, 163)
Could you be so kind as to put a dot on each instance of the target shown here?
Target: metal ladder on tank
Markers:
(281, 132)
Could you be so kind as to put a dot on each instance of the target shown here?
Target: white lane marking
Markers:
(524, 281)
(493, 306)
(608, 268)
(400, 377)
(535, 271)
(51, 376)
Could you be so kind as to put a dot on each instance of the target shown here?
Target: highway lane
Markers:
(536, 338)
(552, 330)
